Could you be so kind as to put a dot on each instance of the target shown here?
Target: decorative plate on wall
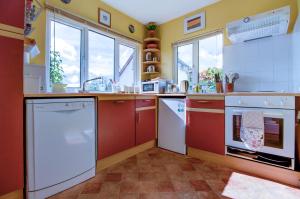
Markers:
(131, 28)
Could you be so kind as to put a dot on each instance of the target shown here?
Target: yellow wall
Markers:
(217, 16)
(87, 9)
(298, 1)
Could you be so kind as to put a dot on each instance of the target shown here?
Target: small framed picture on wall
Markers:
(104, 17)
(194, 23)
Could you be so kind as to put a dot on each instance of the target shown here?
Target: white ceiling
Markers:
(159, 11)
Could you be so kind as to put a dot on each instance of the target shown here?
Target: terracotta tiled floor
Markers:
(161, 174)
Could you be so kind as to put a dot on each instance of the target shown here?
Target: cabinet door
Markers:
(116, 126)
(11, 115)
(12, 13)
(206, 131)
(145, 126)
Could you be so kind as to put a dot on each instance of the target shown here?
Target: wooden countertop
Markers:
(97, 94)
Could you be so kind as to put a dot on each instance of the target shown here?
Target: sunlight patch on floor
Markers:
(245, 187)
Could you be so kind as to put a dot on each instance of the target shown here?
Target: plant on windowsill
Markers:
(56, 72)
(218, 81)
(211, 78)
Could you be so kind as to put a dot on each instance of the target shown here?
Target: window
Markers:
(83, 53)
(210, 57)
(126, 69)
(101, 56)
(66, 41)
(199, 60)
(185, 62)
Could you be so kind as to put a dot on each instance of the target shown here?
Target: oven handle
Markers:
(276, 115)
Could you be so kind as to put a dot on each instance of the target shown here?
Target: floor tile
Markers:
(182, 186)
(113, 177)
(91, 188)
(129, 196)
(129, 187)
(187, 167)
(165, 186)
(147, 187)
(200, 185)
(110, 187)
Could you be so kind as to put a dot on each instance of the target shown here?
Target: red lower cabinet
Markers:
(206, 130)
(116, 126)
(11, 115)
(145, 126)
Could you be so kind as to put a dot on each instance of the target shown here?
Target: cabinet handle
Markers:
(203, 102)
(119, 102)
(147, 100)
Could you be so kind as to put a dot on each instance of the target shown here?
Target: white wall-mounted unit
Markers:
(263, 25)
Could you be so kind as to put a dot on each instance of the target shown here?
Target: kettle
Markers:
(184, 86)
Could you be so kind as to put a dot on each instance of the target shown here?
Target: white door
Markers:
(63, 141)
(171, 124)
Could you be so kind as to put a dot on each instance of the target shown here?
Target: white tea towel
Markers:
(252, 129)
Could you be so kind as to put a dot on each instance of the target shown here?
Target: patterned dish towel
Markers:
(252, 130)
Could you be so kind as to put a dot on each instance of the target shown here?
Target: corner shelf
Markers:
(151, 62)
(150, 73)
(151, 39)
(153, 50)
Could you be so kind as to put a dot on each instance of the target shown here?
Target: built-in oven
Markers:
(279, 128)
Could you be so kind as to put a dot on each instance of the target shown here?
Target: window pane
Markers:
(126, 65)
(66, 40)
(101, 56)
(185, 62)
(210, 57)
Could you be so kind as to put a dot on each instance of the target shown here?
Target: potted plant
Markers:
(56, 72)
(218, 81)
(151, 27)
(212, 77)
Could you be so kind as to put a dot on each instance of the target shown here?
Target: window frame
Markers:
(195, 43)
(84, 59)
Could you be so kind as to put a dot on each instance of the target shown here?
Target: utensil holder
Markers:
(219, 87)
(229, 87)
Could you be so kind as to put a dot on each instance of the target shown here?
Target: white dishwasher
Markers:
(171, 124)
(60, 144)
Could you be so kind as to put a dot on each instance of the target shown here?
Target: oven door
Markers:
(279, 132)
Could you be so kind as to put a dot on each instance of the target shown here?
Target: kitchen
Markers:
(219, 118)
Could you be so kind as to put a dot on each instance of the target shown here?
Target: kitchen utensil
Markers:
(231, 77)
(151, 69)
(184, 86)
(148, 56)
(152, 45)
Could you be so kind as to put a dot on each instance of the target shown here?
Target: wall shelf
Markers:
(150, 73)
(152, 39)
(151, 62)
(154, 58)
(153, 50)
